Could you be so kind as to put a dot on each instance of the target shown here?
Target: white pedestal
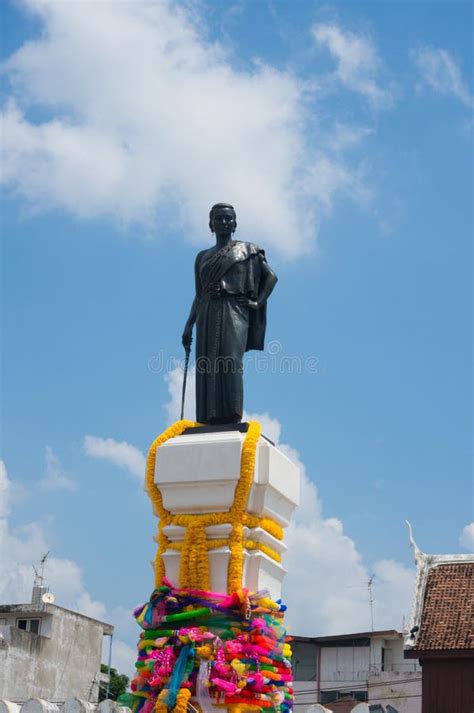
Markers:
(198, 473)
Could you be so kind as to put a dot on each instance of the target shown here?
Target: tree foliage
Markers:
(118, 684)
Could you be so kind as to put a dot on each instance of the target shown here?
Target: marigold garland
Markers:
(242, 492)
(155, 496)
(160, 706)
(216, 544)
(182, 701)
(194, 560)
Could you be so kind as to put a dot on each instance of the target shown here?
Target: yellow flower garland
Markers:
(216, 544)
(155, 496)
(181, 705)
(160, 706)
(194, 560)
(242, 492)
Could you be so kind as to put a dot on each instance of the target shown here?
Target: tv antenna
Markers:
(369, 584)
(39, 576)
(371, 601)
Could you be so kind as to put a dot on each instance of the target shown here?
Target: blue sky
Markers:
(342, 134)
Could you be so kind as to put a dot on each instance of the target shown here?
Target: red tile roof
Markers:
(447, 620)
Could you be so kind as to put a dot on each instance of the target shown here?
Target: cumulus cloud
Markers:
(440, 71)
(119, 453)
(86, 605)
(4, 491)
(174, 380)
(326, 585)
(55, 478)
(123, 657)
(358, 64)
(149, 122)
(23, 548)
(466, 538)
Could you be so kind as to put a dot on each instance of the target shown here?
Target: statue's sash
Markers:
(214, 266)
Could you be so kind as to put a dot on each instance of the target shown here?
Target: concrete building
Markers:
(49, 652)
(341, 671)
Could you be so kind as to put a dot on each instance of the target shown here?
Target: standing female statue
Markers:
(233, 283)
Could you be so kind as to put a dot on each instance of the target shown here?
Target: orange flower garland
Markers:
(194, 560)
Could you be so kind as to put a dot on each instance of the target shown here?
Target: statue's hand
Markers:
(187, 337)
(251, 304)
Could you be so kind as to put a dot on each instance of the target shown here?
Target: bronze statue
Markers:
(233, 283)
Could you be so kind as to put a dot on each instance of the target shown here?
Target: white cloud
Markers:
(55, 478)
(174, 379)
(329, 175)
(466, 538)
(326, 585)
(150, 123)
(440, 71)
(120, 453)
(124, 657)
(4, 491)
(358, 64)
(271, 427)
(22, 548)
(86, 605)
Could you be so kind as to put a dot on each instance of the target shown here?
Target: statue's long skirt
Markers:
(221, 337)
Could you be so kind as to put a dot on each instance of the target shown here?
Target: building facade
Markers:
(49, 652)
(341, 671)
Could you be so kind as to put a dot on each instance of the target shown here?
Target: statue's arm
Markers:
(269, 280)
(187, 337)
(267, 284)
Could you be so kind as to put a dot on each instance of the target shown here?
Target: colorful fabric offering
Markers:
(225, 650)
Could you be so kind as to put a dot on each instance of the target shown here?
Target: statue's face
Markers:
(223, 221)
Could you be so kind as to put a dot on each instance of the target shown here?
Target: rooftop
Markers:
(52, 609)
(447, 615)
(443, 609)
(381, 634)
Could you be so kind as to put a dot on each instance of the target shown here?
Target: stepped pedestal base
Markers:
(197, 473)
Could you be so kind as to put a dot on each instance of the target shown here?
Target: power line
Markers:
(362, 686)
(385, 698)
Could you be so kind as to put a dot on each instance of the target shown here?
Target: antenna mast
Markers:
(371, 601)
(38, 585)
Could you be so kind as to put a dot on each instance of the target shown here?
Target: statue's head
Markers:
(222, 218)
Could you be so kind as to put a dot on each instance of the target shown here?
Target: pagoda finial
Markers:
(417, 553)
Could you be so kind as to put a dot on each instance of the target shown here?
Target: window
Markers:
(333, 696)
(32, 625)
(304, 661)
